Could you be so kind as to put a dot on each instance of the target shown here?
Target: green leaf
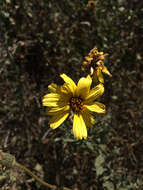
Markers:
(90, 146)
(68, 140)
(109, 185)
(99, 160)
(99, 171)
(98, 165)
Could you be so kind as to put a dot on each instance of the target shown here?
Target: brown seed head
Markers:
(76, 104)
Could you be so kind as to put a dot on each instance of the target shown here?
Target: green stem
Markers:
(34, 176)
(37, 178)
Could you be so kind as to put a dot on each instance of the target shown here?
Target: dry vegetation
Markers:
(40, 40)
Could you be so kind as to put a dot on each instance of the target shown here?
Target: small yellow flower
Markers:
(95, 62)
(77, 99)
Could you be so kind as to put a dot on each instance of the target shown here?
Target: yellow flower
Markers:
(97, 73)
(77, 99)
(95, 62)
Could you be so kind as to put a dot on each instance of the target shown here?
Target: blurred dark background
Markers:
(39, 40)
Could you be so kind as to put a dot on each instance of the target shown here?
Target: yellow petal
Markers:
(89, 77)
(54, 100)
(79, 127)
(96, 107)
(100, 75)
(99, 64)
(83, 87)
(88, 118)
(52, 95)
(57, 110)
(101, 57)
(105, 70)
(94, 93)
(70, 82)
(54, 88)
(91, 71)
(66, 89)
(58, 119)
(50, 99)
(88, 58)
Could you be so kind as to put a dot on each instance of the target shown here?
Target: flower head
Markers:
(91, 5)
(78, 99)
(95, 62)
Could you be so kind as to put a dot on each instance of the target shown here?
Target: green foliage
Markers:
(98, 165)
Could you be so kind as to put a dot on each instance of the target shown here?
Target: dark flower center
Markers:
(76, 104)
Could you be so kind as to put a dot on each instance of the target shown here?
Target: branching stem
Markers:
(9, 161)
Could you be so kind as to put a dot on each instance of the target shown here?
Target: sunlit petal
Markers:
(50, 99)
(105, 70)
(96, 107)
(58, 119)
(70, 82)
(94, 93)
(57, 110)
(83, 87)
(54, 100)
(79, 127)
(54, 88)
(66, 89)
